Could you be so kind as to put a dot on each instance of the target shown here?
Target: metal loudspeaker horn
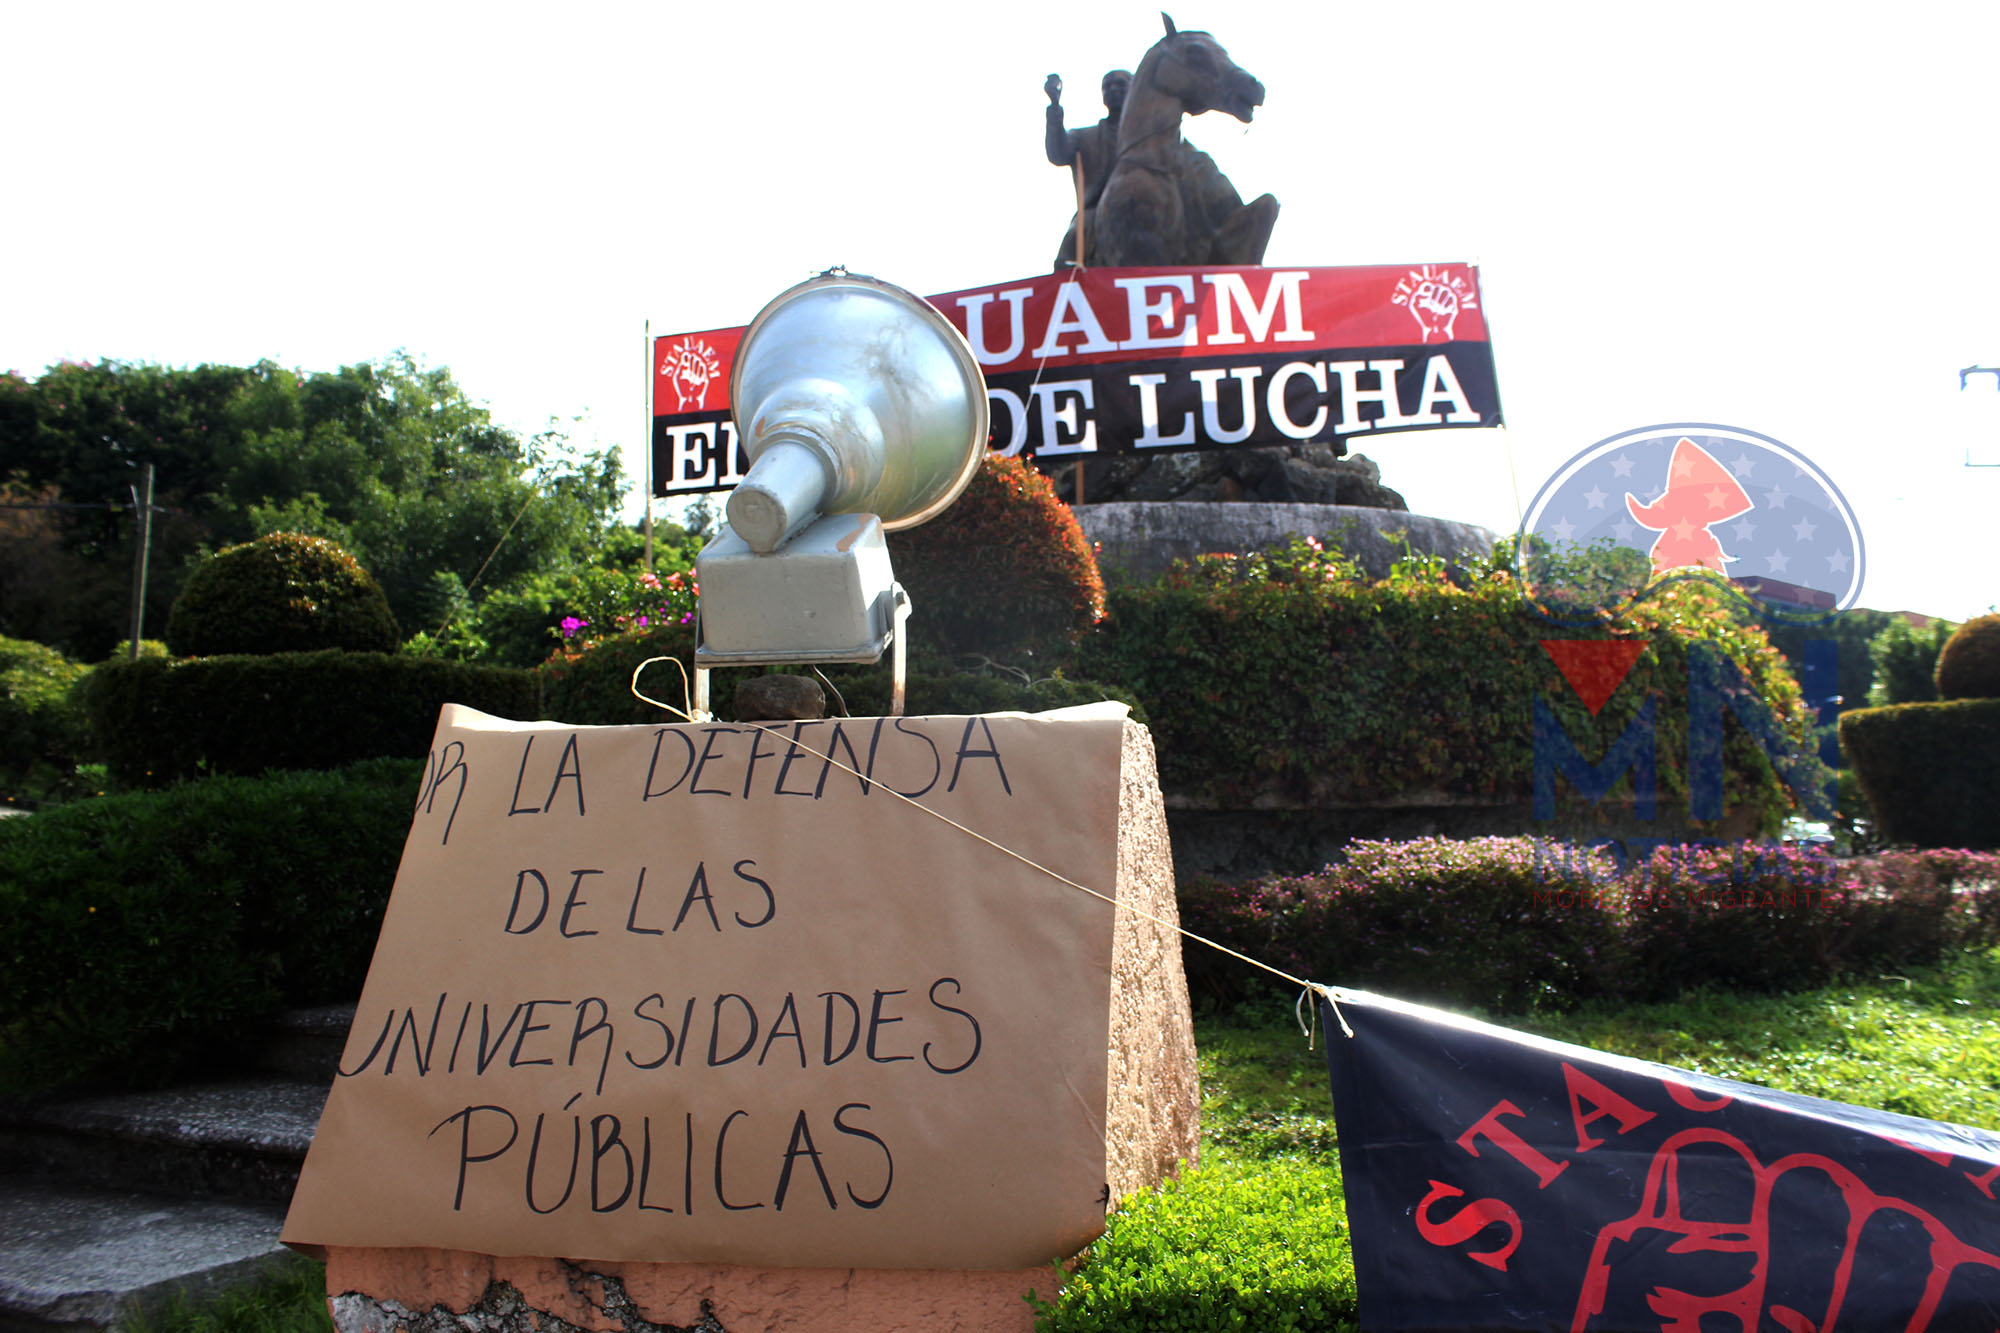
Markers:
(860, 409)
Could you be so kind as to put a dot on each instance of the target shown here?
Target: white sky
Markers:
(1775, 217)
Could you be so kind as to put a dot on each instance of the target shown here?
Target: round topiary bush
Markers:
(1004, 573)
(1969, 666)
(285, 593)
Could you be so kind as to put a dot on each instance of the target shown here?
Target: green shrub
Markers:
(1906, 662)
(140, 934)
(285, 593)
(1230, 1247)
(1288, 680)
(157, 721)
(43, 732)
(1005, 573)
(593, 686)
(1968, 667)
(1930, 771)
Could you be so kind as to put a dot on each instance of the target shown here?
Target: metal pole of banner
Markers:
(1994, 371)
(1076, 168)
(142, 541)
(646, 446)
(1506, 438)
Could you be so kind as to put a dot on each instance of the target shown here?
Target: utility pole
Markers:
(142, 541)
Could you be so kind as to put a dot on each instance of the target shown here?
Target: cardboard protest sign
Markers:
(696, 994)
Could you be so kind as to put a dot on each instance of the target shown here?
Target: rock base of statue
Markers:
(1285, 474)
(1141, 539)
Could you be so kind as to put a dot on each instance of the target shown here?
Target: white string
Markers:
(1334, 1004)
(687, 690)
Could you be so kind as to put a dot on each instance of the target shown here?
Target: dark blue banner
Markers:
(1501, 1181)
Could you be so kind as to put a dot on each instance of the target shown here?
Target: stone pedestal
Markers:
(451, 1291)
(1140, 539)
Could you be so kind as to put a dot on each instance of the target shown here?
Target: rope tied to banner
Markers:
(1306, 988)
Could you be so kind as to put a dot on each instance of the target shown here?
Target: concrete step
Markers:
(305, 1044)
(238, 1139)
(74, 1258)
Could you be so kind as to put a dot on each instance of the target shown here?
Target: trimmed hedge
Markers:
(283, 593)
(141, 935)
(160, 720)
(1968, 666)
(1931, 771)
(1506, 924)
(593, 686)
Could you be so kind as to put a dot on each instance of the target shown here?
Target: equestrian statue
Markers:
(1163, 202)
(1088, 150)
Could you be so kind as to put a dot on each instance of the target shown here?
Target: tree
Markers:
(390, 459)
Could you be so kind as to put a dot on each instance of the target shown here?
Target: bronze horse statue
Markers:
(1165, 203)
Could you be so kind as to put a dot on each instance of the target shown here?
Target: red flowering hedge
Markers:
(1507, 924)
(1498, 923)
(1291, 679)
(1757, 917)
(1004, 573)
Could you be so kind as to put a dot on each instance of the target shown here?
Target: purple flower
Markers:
(570, 625)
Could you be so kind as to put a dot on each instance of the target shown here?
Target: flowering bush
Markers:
(1760, 917)
(1512, 923)
(607, 602)
(1492, 923)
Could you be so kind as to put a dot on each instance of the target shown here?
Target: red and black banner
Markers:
(1113, 360)
(1496, 1180)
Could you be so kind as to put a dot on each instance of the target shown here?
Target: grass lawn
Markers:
(1260, 1225)
(1255, 1237)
